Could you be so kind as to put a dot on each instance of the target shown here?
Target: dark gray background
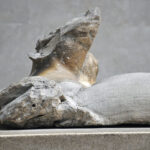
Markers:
(121, 45)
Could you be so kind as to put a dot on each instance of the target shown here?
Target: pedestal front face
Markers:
(76, 139)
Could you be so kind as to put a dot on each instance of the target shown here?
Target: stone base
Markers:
(76, 139)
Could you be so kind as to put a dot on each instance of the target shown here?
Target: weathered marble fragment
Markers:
(57, 97)
(123, 99)
(62, 54)
(43, 103)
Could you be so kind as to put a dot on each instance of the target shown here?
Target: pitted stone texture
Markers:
(123, 99)
(42, 103)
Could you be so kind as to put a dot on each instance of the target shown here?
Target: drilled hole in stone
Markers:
(33, 105)
(62, 98)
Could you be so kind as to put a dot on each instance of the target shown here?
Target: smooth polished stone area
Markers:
(76, 139)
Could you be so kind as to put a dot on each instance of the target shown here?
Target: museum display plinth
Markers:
(76, 139)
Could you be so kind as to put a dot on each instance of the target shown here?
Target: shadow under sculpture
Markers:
(59, 92)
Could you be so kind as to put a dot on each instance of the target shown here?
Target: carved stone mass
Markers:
(63, 54)
(56, 93)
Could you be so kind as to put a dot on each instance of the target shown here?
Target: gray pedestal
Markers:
(76, 139)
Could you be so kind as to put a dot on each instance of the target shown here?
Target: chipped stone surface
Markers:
(123, 99)
(61, 56)
(57, 97)
(64, 51)
(43, 103)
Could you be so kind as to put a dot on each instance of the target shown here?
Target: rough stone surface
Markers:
(64, 51)
(42, 103)
(63, 56)
(123, 99)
